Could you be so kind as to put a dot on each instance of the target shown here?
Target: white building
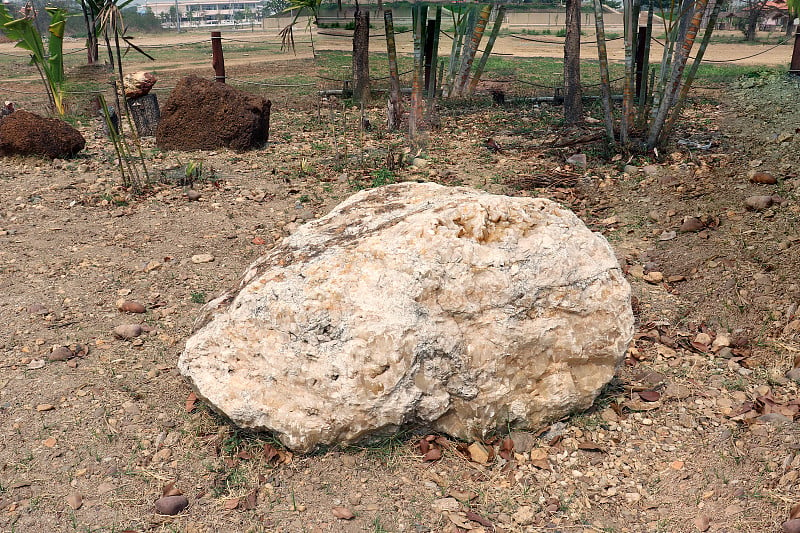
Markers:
(202, 13)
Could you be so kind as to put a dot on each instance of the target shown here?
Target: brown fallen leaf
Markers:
(539, 459)
(343, 513)
(507, 449)
(794, 512)
(424, 446)
(231, 504)
(250, 501)
(191, 400)
(590, 446)
(649, 395)
(475, 517)
(170, 490)
(433, 454)
(270, 453)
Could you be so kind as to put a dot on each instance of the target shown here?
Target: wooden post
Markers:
(431, 26)
(217, 60)
(795, 65)
(394, 113)
(641, 42)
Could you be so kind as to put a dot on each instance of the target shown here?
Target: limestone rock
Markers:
(416, 304)
(25, 133)
(205, 115)
(138, 84)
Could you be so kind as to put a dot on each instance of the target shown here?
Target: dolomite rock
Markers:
(447, 308)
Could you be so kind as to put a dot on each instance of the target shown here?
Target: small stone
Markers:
(702, 522)
(162, 455)
(791, 526)
(654, 277)
(75, 500)
(127, 331)
(60, 353)
(446, 505)
(171, 505)
(202, 258)
(524, 516)
(478, 453)
(42, 407)
(721, 341)
(343, 513)
(775, 419)
(691, 224)
(578, 160)
(678, 391)
(650, 170)
(523, 441)
(193, 195)
(419, 162)
(733, 510)
(630, 169)
(104, 488)
(758, 203)
(129, 306)
(763, 177)
(667, 236)
(794, 374)
(703, 338)
(35, 364)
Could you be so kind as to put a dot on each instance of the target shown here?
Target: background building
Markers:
(202, 13)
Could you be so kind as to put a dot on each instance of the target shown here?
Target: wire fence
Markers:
(326, 72)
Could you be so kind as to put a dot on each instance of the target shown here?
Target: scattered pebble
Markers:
(758, 203)
(171, 505)
(75, 500)
(128, 331)
(763, 177)
(202, 258)
(129, 306)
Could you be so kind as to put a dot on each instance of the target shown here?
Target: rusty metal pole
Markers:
(794, 68)
(217, 61)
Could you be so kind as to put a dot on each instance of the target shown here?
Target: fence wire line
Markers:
(520, 37)
(732, 60)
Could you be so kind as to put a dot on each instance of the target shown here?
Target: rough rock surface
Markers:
(448, 308)
(25, 133)
(205, 115)
(138, 84)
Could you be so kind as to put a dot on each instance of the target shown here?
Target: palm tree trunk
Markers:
(676, 111)
(499, 15)
(471, 49)
(678, 67)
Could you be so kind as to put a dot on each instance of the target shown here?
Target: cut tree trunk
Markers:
(145, 113)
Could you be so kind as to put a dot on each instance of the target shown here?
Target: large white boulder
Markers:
(448, 308)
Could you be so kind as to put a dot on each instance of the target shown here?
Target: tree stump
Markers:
(145, 113)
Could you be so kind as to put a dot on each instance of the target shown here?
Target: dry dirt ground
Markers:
(696, 433)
